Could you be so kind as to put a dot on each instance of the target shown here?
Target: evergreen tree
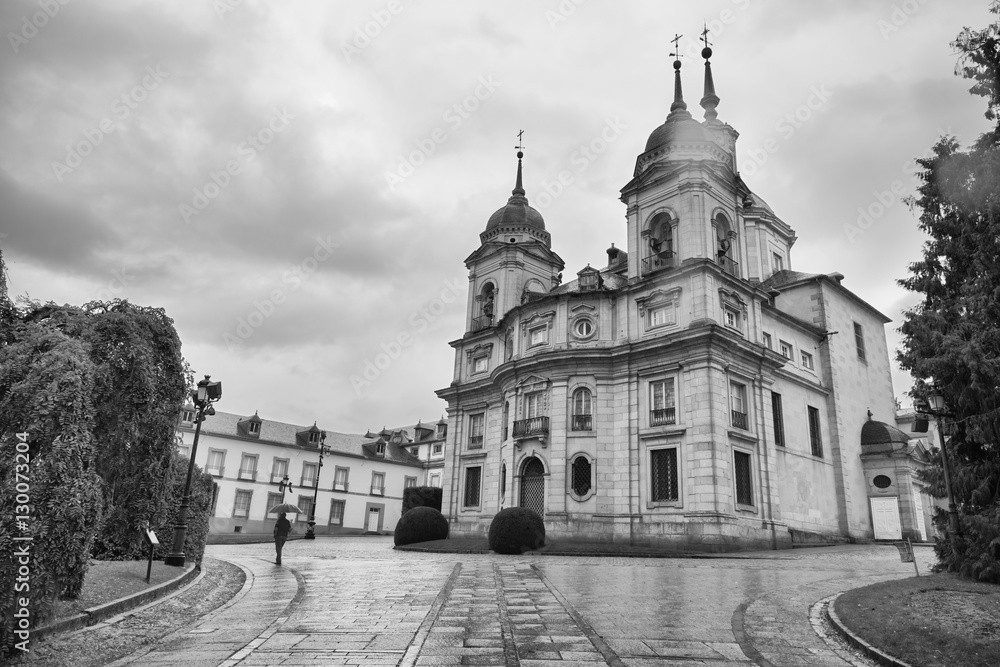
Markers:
(953, 336)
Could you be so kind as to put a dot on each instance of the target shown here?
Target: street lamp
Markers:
(284, 485)
(208, 392)
(311, 530)
(937, 408)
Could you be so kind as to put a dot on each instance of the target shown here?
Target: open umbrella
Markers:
(287, 508)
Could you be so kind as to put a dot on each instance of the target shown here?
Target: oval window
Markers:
(583, 328)
(882, 482)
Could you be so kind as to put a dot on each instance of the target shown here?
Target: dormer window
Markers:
(313, 438)
(380, 449)
(254, 428)
(589, 279)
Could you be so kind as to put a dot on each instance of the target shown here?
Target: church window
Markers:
(859, 341)
(583, 328)
(882, 481)
(480, 364)
(815, 438)
(661, 244)
(506, 417)
(503, 481)
(744, 478)
(662, 407)
(581, 481)
(663, 476)
(807, 361)
(538, 336)
(582, 410)
(661, 316)
(738, 404)
(473, 474)
(476, 423)
(778, 261)
(779, 419)
(732, 318)
(532, 405)
(785, 349)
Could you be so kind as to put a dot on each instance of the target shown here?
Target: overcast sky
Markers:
(297, 184)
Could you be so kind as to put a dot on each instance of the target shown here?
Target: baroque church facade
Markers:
(695, 393)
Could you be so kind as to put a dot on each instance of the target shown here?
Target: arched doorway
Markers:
(533, 486)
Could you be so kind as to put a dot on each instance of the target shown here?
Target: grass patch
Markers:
(940, 620)
(108, 580)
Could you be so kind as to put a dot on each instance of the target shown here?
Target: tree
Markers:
(953, 336)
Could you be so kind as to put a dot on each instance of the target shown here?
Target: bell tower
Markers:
(514, 260)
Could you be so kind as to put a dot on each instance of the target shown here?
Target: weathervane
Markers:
(677, 52)
(704, 36)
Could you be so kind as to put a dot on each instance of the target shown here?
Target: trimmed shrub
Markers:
(515, 530)
(421, 524)
(422, 496)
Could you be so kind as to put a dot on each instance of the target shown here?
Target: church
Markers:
(696, 393)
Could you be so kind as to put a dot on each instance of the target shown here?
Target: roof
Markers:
(788, 278)
(284, 434)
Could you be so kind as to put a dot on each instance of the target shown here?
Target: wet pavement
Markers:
(356, 601)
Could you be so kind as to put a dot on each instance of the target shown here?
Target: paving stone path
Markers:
(356, 601)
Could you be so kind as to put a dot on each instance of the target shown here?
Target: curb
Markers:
(875, 654)
(97, 614)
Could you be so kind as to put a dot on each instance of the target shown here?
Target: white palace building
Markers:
(695, 393)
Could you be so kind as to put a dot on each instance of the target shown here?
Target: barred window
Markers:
(580, 475)
(663, 477)
(744, 478)
(472, 477)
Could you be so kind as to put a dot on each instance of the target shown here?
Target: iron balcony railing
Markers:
(740, 420)
(583, 422)
(525, 428)
(729, 265)
(662, 416)
(246, 473)
(661, 260)
(475, 442)
(481, 322)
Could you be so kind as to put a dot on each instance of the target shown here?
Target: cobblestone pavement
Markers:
(356, 601)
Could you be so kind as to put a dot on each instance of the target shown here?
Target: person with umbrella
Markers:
(281, 529)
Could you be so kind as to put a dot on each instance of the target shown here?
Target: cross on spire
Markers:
(520, 142)
(704, 35)
(677, 52)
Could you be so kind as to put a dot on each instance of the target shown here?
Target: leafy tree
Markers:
(953, 336)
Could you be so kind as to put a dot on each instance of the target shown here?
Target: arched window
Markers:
(503, 481)
(662, 231)
(583, 419)
(726, 251)
(506, 417)
(581, 471)
(487, 303)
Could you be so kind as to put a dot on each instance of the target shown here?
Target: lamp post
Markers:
(936, 402)
(283, 486)
(311, 530)
(208, 392)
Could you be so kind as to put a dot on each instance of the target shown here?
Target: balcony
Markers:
(663, 416)
(729, 265)
(664, 259)
(215, 471)
(475, 442)
(481, 322)
(583, 423)
(740, 420)
(248, 474)
(532, 427)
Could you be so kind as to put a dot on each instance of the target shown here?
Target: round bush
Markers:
(420, 524)
(515, 530)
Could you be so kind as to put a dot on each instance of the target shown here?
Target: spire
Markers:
(679, 104)
(518, 188)
(710, 99)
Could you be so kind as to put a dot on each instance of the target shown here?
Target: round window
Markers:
(583, 328)
(882, 481)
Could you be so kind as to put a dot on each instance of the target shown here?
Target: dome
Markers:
(517, 213)
(677, 129)
(879, 437)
